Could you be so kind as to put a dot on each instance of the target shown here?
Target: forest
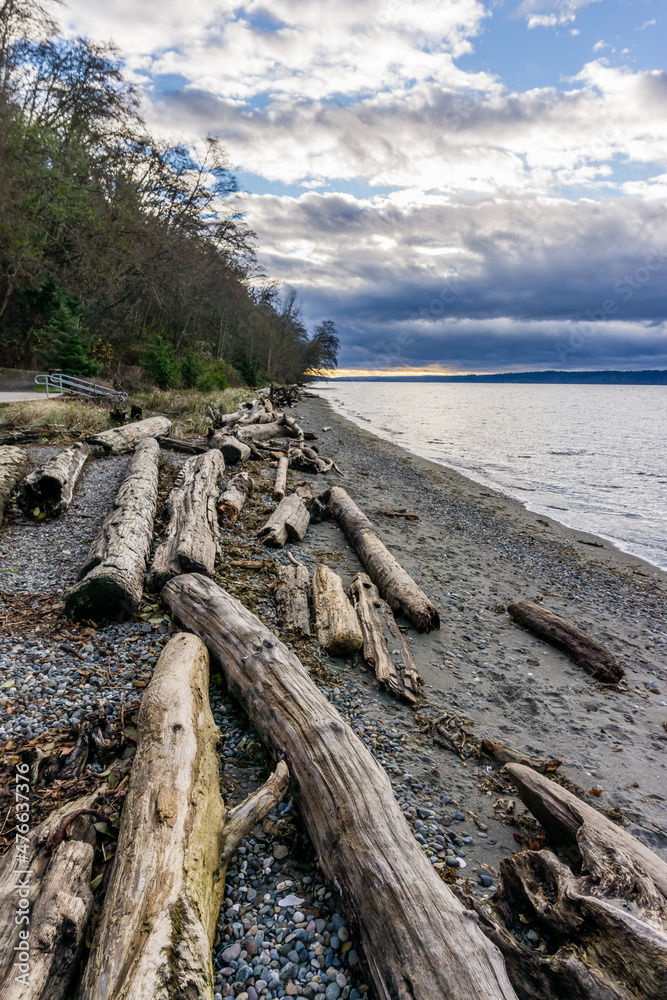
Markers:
(119, 251)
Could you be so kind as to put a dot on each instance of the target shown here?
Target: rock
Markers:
(453, 862)
(280, 851)
(332, 991)
(231, 954)
(486, 880)
(291, 990)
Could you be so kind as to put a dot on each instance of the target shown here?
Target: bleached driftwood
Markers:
(13, 464)
(155, 935)
(291, 597)
(397, 675)
(289, 520)
(239, 488)
(191, 541)
(50, 488)
(119, 440)
(232, 448)
(337, 627)
(395, 585)
(418, 942)
(111, 580)
(585, 652)
(280, 487)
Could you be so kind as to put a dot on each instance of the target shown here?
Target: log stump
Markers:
(13, 464)
(289, 520)
(50, 488)
(239, 488)
(337, 626)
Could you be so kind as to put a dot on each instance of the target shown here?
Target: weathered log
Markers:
(398, 676)
(583, 650)
(607, 926)
(111, 580)
(50, 488)
(337, 626)
(119, 440)
(46, 866)
(181, 444)
(395, 585)
(26, 435)
(259, 432)
(291, 597)
(220, 419)
(506, 755)
(239, 488)
(296, 430)
(191, 541)
(290, 520)
(155, 935)
(231, 447)
(280, 487)
(13, 463)
(418, 942)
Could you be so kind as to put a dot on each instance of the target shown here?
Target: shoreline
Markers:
(487, 484)
(474, 550)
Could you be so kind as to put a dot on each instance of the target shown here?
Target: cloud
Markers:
(550, 13)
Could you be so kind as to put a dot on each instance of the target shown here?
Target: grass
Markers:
(71, 416)
(187, 407)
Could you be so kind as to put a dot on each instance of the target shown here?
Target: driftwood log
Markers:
(13, 464)
(289, 520)
(260, 432)
(119, 440)
(112, 578)
(337, 626)
(583, 650)
(184, 445)
(191, 541)
(506, 755)
(176, 838)
(396, 670)
(280, 487)
(606, 925)
(50, 488)
(291, 596)
(239, 488)
(233, 450)
(418, 941)
(395, 585)
(59, 899)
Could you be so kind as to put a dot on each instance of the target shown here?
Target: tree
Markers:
(161, 363)
(65, 345)
(322, 350)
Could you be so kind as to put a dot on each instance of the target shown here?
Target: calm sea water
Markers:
(592, 457)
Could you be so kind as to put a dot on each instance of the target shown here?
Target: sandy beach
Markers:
(474, 551)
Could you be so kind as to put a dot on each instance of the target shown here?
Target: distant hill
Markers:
(656, 377)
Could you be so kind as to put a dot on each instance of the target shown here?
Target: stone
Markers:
(280, 851)
(332, 991)
(231, 953)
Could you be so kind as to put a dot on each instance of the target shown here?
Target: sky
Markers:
(462, 186)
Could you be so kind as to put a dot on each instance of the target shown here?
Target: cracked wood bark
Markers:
(337, 626)
(419, 942)
(607, 926)
(157, 926)
(584, 651)
(395, 585)
(13, 464)
(119, 440)
(181, 444)
(398, 676)
(280, 487)
(191, 540)
(289, 520)
(111, 581)
(291, 596)
(39, 860)
(260, 432)
(239, 488)
(51, 487)
(232, 449)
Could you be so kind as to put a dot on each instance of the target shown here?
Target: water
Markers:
(592, 457)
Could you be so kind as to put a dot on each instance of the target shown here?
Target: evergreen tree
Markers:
(161, 363)
(65, 345)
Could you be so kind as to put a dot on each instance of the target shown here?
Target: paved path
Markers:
(19, 397)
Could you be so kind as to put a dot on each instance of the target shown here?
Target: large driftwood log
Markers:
(280, 487)
(585, 652)
(191, 541)
(58, 896)
(607, 925)
(119, 440)
(50, 488)
(289, 520)
(176, 838)
(13, 463)
(234, 451)
(418, 942)
(395, 585)
(291, 597)
(184, 445)
(337, 627)
(112, 578)
(398, 676)
(239, 488)
(260, 432)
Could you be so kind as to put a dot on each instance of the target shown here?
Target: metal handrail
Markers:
(78, 386)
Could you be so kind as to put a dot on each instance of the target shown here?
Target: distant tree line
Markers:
(116, 248)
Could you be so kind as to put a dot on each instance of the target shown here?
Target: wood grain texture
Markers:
(13, 464)
(239, 488)
(280, 486)
(233, 450)
(111, 580)
(51, 487)
(583, 650)
(291, 597)
(191, 540)
(289, 521)
(338, 629)
(419, 942)
(394, 583)
(119, 440)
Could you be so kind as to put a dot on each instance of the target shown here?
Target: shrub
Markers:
(213, 377)
(192, 369)
(248, 371)
(162, 364)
